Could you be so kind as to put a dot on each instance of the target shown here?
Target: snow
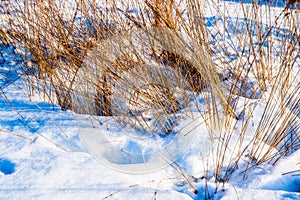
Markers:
(46, 153)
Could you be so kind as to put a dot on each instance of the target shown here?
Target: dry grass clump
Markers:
(260, 53)
(144, 62)
(100, 68)
(57, 42)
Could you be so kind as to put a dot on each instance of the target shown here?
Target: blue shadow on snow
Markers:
(272, 3)
(6, 167)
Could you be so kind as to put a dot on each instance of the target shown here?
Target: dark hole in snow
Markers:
(6, 166)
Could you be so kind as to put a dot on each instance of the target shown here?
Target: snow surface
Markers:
(43, 157)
